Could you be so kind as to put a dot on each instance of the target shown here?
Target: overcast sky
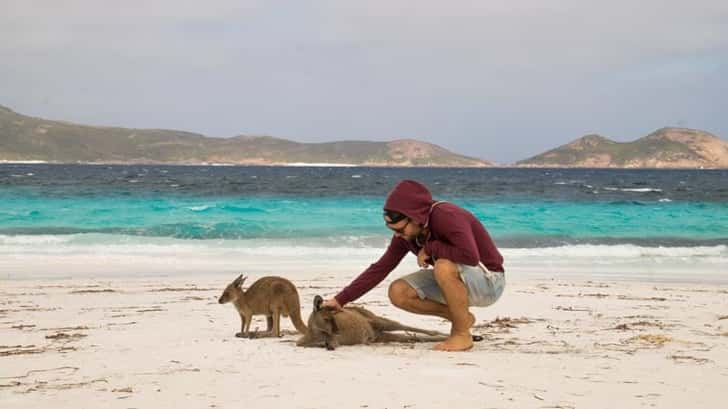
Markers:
(499, 80)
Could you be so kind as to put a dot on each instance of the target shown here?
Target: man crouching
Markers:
(468, 268)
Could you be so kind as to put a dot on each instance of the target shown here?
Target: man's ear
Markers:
(317, 301)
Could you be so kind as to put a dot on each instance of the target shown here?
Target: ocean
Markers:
(559, 219)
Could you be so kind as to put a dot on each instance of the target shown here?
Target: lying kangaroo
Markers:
(330, 328)
(269, 296)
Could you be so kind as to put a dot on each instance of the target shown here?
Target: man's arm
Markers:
(459, 244)
(373, 275)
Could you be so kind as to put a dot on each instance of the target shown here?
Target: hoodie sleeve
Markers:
(458, 241)
(375, 273)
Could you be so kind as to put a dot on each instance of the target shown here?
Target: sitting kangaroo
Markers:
(269, 296)
(330, 328)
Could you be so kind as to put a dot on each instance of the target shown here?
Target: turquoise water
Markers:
(517, 224)
(71, 220)
(522, 208)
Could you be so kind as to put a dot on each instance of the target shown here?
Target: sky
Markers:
(497, 80)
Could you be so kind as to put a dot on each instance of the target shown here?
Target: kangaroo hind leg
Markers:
(276, 323)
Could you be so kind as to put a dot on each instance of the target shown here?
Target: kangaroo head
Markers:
(233, 290)
(322, 319)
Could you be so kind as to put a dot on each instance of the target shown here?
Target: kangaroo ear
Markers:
(239, 281)
(317, 300)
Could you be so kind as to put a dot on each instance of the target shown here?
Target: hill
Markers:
(25, 138)
(664, 148)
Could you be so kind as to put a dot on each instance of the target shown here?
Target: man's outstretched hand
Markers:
(331, 303)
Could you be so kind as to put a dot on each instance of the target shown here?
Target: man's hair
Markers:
(391, 216)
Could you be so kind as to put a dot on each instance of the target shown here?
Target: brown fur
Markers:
(328, 327)
(269, 296)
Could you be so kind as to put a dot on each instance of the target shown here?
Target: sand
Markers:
(165, 342)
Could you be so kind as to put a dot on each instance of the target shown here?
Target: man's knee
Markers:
(445, 270)
(400, 291)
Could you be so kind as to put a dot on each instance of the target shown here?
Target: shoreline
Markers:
(81, 262)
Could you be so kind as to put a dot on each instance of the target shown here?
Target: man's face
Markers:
(405, 228)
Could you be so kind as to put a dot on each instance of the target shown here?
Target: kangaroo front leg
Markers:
(331, 342)
(242, 332)
(248, 320)
(269, 323)
(272, 327)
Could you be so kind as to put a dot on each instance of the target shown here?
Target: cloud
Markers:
(463, 74)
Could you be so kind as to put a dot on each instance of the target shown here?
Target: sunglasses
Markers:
(399, 230)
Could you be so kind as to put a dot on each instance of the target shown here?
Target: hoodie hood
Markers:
(411, 198)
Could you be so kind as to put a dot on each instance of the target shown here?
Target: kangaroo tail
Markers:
(295, 312)
(392, 337)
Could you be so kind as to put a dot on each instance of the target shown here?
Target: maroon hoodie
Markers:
(454, 234)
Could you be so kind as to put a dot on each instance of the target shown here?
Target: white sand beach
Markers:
(550, 342)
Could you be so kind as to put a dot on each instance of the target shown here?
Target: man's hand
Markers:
(331, 303)
(422, 258)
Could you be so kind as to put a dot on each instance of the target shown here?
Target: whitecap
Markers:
(34, 240)
(200, 208)
(642, 190)
(618, 251)
(665, 200)
(634, 189)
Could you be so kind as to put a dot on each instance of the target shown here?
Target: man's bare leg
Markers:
(405, 297)
(456, 296)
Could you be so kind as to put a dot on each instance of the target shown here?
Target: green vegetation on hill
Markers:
(24, 138)
(666, 147)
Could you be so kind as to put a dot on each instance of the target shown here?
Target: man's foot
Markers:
(456, 342)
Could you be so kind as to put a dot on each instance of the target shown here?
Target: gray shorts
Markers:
(484, 287)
